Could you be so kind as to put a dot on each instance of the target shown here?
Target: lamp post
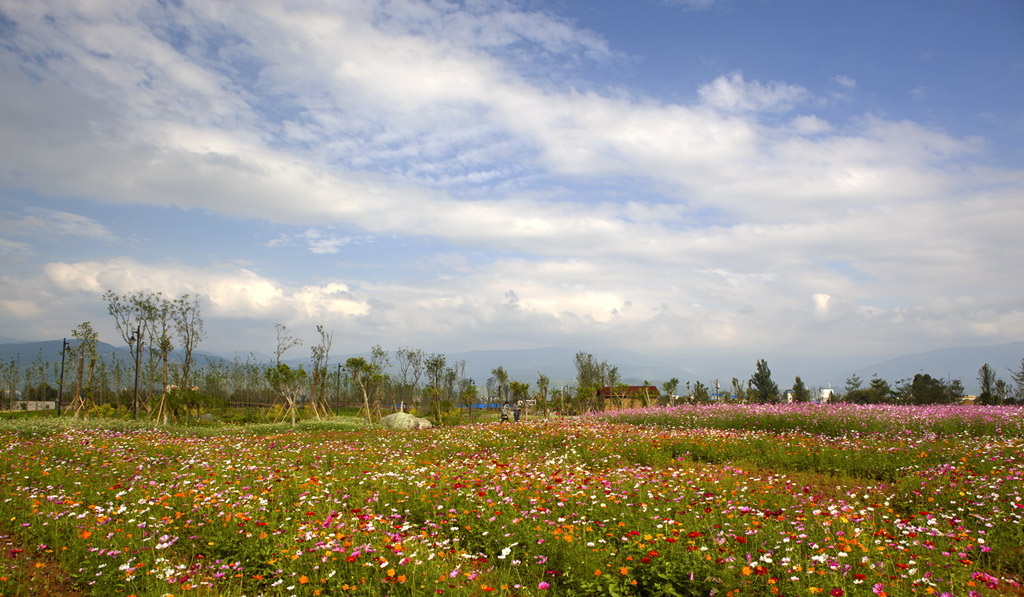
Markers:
(60, 394)
(136, 338)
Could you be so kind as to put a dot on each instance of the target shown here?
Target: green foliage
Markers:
(763, 389)
(800, 391)
(987, 382)
(701, 395)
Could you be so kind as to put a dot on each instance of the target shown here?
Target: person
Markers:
(504, 412)
(516, 409)
(404, 410)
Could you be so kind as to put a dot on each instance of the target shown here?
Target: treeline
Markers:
(153, 385)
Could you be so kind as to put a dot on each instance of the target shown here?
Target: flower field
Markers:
(713, 500)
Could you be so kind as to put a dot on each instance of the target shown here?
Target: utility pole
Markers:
(337, 393)
(60, 395)
(137, 339)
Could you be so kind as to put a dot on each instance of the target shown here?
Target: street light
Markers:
(136, 337)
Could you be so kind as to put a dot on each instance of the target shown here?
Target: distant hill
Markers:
(956, 363)
(27, 352)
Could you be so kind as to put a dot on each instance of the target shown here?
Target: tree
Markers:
(852, 383)
(700, 393)
(1018, 380)
(410, 365)
(879, 389)
(670, 387)
(132, 314)
(987, 381)
(800, 391)
(359, 369)
(160, 327)
(501, 382)
(467, 395)
(925, 389)
(1002, 392)
(519, 390)
(188, 322)
(543, 382)
(591, 376)
(321, 353)
(763, 389)
(284, 341)
(646, 395)
(287, 383)
(738, 390)
(84, 349)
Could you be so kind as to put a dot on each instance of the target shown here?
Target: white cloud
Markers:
(821, 304)
(13, 247)
(733, 94)
(321, 243)
(845, 81)
(54, 224)
(714, 221)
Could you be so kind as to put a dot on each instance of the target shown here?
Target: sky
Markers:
(832, 182)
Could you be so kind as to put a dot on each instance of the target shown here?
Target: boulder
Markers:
(404, 421)
(208, 418)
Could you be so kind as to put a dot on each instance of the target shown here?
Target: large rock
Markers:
(404, 421)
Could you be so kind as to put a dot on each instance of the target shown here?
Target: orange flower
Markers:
(597, 572)
(86, 534)
(303, 579)
(623, 571)
(401, 578)
(746, 571)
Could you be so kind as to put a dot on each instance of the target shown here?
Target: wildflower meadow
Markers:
(691, 500)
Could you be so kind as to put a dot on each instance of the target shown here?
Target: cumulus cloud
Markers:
(230, 292)
(713, 220)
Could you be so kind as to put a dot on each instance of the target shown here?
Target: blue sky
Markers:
(830, 181)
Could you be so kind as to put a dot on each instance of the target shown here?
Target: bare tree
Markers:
(284, 341)
(188, 322)
(410, 365)
(321, 354)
